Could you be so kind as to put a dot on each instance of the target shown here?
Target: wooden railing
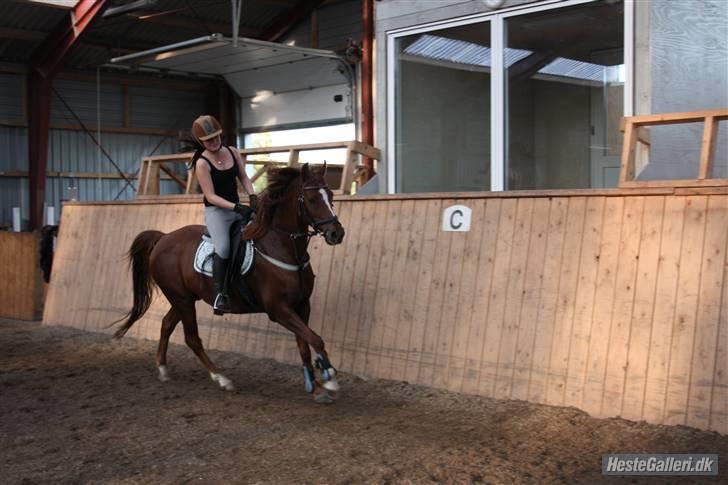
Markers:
(152, 167)
(637, 137)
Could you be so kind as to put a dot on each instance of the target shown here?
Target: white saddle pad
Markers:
(203, 257)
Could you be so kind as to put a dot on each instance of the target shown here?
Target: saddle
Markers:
(241, 261)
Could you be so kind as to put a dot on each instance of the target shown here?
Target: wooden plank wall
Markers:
(617, 305)
(20, 277)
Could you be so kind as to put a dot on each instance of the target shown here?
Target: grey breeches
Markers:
(218, 222)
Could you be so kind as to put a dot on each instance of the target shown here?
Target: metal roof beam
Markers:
(48, 57)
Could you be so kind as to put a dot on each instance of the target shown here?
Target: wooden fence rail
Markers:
(152, 167)
(637, 136)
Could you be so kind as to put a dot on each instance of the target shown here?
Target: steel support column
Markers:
(39, 108)
(46, 61)
(367, 121)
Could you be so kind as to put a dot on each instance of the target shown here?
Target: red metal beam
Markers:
(284, 23)
(48, 58)
(367, 119)
(39, 107)
(46, 61)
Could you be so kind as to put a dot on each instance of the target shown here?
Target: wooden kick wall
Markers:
(20, 277)
(614, 302)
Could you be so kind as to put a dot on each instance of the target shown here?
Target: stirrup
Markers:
(221, 304)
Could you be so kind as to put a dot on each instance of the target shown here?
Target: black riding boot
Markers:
(219, 275)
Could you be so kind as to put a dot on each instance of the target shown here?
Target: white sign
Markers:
(16, 219)
(456, 218)
(50, 215)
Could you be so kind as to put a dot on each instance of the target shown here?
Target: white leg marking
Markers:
(222, 381)
(325, 196)
(331, 385)
(163, 373)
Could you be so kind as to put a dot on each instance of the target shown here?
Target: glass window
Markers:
(303, 136)
(442, 110)
(564, 97)
(334, 157)
(681, 64)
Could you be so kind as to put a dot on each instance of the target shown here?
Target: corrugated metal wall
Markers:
(81, 97)
(11, 98)
(73, 152)
(13, 145)
(164, 109)
(337, 22)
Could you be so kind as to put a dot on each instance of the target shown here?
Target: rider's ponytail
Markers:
(188, 144)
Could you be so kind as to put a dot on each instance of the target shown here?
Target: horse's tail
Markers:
(138, 255)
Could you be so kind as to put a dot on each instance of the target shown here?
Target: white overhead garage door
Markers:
(281, 86)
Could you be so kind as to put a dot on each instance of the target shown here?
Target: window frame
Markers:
(498, 110)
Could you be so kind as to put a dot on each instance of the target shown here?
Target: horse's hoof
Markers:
(331, 386)
(222, 381)
(323, 398)
(163, 375)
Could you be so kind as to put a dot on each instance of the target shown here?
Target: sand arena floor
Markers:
(80, 407)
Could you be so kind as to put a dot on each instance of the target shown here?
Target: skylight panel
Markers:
(459, 51)
(56, 3)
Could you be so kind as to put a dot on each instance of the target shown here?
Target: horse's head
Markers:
(317, 205)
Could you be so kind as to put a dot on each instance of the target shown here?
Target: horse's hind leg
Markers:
(193, 341)
(169, 322)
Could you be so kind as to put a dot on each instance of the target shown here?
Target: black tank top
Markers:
(224, 181)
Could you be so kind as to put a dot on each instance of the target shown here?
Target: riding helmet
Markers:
(206, 127)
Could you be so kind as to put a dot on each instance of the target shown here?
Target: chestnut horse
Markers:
(281, 281)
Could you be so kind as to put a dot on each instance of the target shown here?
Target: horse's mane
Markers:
(279, 181)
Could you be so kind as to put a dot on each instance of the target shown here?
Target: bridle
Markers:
(310, 221)
(304, 212)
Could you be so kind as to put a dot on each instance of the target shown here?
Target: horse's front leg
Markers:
(309, 374)
(297, 322)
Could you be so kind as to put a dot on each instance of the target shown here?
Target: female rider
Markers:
(217, 170)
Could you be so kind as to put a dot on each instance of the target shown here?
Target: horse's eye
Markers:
(312, 200)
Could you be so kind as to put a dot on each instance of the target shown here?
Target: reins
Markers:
(308, 219)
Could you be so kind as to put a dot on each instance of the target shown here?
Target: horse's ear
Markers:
(304, 171)
(323, 172)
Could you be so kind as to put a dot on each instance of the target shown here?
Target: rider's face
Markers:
(213, 144)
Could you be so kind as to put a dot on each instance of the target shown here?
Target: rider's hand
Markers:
(241, 209)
